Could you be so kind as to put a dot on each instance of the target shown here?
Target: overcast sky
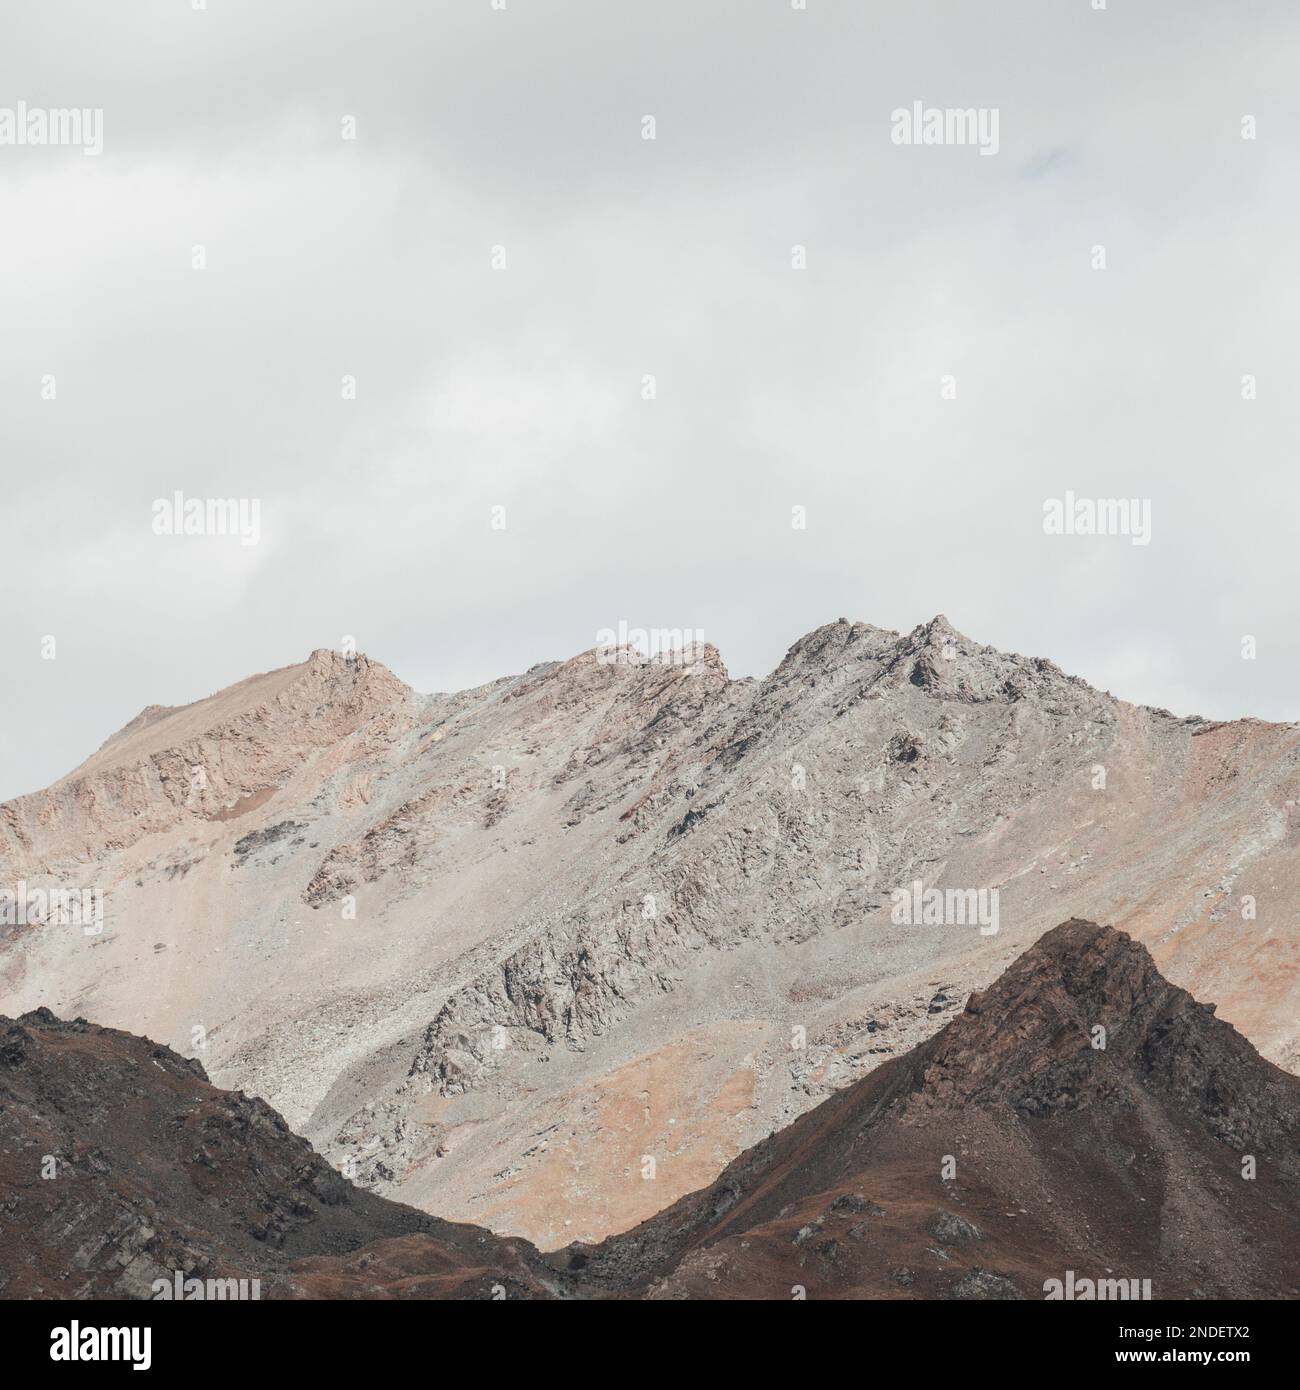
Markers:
(522, 387)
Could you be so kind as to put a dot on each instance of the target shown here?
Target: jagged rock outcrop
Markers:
(1018, 1045)
(753, 828)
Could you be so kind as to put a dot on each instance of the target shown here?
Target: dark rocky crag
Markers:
(120, 1165)
(1126, 1160)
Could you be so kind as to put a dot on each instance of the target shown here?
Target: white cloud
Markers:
(626, 257)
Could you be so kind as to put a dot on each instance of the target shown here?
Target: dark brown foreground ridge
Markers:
(120, 1165)
(1009, 1149)
(1082, 1119)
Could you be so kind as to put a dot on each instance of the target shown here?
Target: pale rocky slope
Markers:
(500, 948)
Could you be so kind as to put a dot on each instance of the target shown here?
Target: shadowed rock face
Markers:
(120, 1165)
(1007, 1151)
(497, 947)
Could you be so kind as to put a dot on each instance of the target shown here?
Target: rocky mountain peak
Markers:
(832, 647)
(1064, 1155)
(214, 759)
(1084, 1017)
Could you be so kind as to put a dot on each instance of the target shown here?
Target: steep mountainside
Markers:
(1015, 1147)
(502, 948)
(1082, 1121)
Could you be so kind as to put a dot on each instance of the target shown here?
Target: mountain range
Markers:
(1018, 1153)
(549, 955)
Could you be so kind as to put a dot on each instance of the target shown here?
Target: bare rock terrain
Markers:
(1082, 1124)
(121, 1166)
(503, 953)
(1009, 1151)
